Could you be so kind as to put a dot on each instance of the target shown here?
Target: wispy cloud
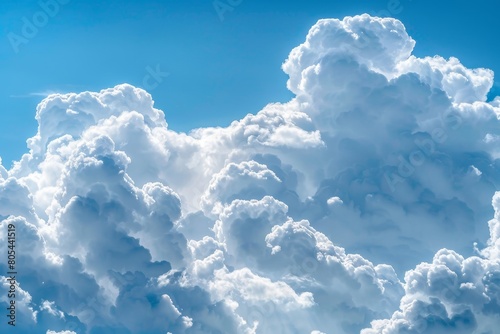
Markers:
(36, 94)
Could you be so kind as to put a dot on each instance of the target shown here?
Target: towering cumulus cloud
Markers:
(363, 205)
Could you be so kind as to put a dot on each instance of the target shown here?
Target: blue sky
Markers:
(218, 70)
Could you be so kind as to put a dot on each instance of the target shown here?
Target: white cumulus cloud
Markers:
(362, 205)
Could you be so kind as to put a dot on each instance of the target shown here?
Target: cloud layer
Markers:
(363, 205)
